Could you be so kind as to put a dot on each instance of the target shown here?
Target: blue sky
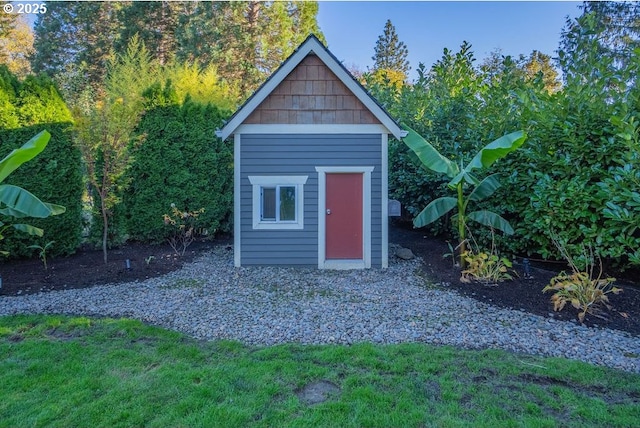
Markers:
(352, 28)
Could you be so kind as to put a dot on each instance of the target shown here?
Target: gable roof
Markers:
(310, 46)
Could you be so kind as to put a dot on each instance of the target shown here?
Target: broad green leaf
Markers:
(28, 151)
(55, 208)
(466, 176)
(27, 228)
(497, 149)
(12, 213)
(428, 154)
(488, 218)
(436, 209)
(21, 203)
(485, 189)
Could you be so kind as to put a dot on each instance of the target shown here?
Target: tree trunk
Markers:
(461, 226)
(105, 228)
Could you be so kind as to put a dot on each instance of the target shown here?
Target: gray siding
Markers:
(299, 155)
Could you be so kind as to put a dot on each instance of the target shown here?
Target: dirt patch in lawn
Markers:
(86, 268)
(318, 392)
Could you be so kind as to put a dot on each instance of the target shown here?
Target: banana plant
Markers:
(17, 202)
(462, 175)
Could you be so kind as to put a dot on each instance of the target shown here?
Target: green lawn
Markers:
(77, 372)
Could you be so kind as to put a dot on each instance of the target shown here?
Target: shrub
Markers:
(487, 268)
(581, 288)
(182, 162)
(620, 190)
(579, 171)
(55, 175)
(183, 225)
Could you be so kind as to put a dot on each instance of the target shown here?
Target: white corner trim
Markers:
(257, 181)
(323, 263)
(385, 201)
(236, 201)
(311, 129)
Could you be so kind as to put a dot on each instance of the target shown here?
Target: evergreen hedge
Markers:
(55, 175)
(179, 161)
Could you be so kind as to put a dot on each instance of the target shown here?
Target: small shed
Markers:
(310, 168)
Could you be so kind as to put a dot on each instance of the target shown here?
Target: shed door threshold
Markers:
(344, 264)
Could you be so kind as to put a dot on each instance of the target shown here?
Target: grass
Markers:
(60, 371)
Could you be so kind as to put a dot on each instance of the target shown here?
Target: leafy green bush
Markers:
(179, 162)
(579, 170)
(440, 106)
(55, 175)
(621, 189)
(573, 178)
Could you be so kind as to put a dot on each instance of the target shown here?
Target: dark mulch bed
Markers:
(86, 268)
(520, 293)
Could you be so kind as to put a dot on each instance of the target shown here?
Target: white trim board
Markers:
(236, 200)
(311, 129)
(323, 263)
(344, 264)
(385, 201)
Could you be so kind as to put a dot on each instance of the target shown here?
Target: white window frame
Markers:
(270, 181)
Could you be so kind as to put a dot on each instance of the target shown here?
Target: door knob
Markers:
(328, 211)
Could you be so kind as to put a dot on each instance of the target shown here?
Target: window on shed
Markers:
(278, 201)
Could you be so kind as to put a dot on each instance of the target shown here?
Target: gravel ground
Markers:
(210, 299)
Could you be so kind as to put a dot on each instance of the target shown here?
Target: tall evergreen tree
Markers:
(156, 24)
(390, 53)
(100, 27)
(76, 38)
(606, 30)
(199, 32)
(7, 22)
(56, 38)
(246, 41)
(16, 45)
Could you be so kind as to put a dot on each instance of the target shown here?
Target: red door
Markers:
(344, 216)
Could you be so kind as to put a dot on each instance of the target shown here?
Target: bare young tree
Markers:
(104, 133)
